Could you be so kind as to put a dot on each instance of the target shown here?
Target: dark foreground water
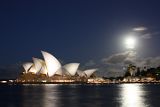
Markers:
(50, 95)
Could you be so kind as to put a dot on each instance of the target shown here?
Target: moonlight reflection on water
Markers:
(132, 95)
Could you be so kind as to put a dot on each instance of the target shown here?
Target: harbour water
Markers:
(76, 95)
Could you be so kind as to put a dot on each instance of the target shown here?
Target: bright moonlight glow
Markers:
(130, 42)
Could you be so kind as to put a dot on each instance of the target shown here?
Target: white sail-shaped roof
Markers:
(37, 64)
(43, 70)
(27, 65)
(32, 69)
(63, 71)
(89, 72)
(59, 71)
(71, 68)
(52, 63)
(41, 66)
(81, 73)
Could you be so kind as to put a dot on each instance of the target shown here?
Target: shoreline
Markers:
(82, 83)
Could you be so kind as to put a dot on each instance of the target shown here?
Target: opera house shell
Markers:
(87, 73)
(27, 66)
(51, 67)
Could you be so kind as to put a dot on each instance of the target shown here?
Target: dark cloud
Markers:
(128, 62)
(148, 35)
(120, 58)
(116, 58)
(150, 61)
(125, 58)
(104, 69)
(110, 70)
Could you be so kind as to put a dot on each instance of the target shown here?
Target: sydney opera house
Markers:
(51, 70)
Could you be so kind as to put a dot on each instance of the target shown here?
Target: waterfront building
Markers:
(50, 69)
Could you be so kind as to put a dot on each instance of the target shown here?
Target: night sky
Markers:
(87, 31)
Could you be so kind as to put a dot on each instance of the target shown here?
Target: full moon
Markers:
(130, 42)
